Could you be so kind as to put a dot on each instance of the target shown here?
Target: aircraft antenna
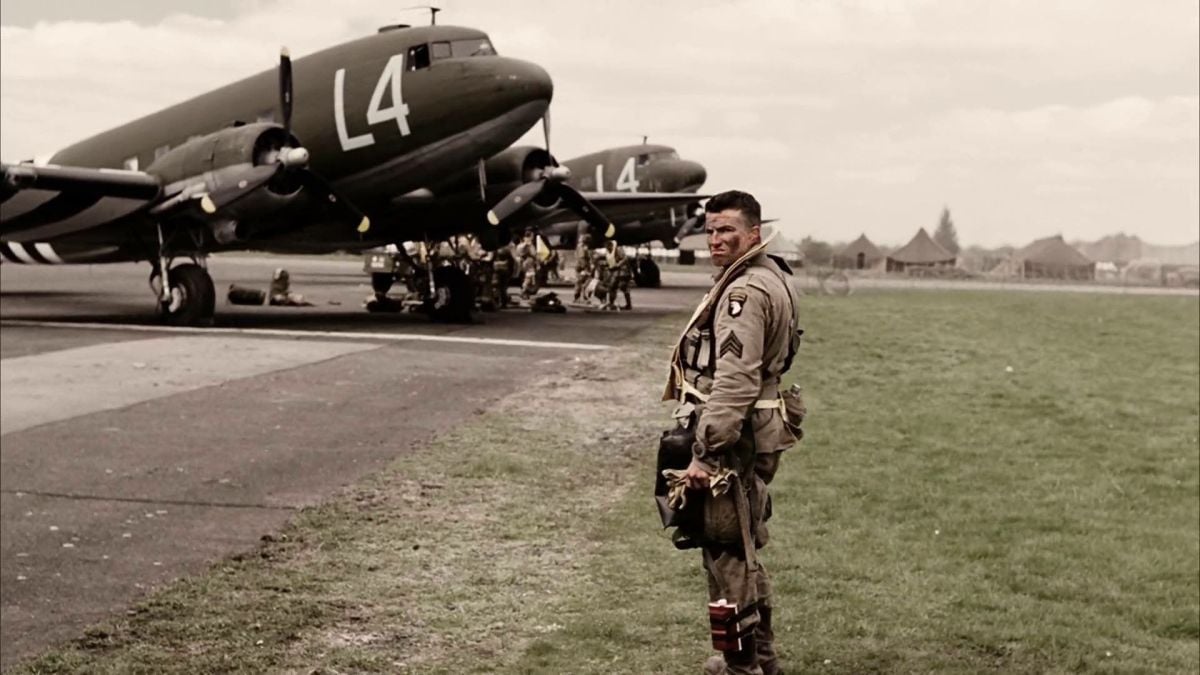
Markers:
(644, 139)
(433, 11)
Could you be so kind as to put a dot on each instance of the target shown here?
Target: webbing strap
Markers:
(741, 506)
(688, 389)
(793, 322)
(737, 618)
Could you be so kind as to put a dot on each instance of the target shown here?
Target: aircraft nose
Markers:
(523, 81)
(681, 175)
(694, 174)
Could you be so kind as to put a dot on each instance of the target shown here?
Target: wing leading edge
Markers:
(40, 203)
(623, 206)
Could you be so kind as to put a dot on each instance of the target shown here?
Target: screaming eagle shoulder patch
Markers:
(732, 345)
(737, 302)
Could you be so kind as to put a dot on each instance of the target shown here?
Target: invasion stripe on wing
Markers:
(21, 255)
(39, 253)
(59, 208)
(106, 210)
(48, 253)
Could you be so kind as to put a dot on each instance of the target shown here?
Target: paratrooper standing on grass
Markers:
(732, 425)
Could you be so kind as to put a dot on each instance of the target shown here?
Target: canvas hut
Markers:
(1053, 258)
(921, 251)
(784, 248)
(859, 254)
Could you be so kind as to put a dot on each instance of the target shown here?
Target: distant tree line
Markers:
(817, 253)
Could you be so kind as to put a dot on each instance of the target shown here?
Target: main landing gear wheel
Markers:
(454, 297)
(193, 299)
(381, 282)
(646, 274)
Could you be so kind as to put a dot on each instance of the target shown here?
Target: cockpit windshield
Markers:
(647, 158)
(457, 49)
(475, 47)
(421, 56)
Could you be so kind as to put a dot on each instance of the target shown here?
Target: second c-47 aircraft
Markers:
(363, 144)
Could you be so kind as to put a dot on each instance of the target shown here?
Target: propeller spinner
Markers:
(551, 180)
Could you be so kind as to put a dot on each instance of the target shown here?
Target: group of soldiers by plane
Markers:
(401, 136)
(487, 275)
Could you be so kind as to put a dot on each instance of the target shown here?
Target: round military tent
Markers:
(783, 247)
(859, 254)
(1053, 258)
(921, 251)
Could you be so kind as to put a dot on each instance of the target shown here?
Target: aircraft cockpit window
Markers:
(643, 160)
(472, 47)
(418, 57)
(440, 50)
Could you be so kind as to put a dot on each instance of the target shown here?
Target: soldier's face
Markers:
(729, 236)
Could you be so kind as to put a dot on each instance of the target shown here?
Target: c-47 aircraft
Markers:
(376, 122)
(643, 168)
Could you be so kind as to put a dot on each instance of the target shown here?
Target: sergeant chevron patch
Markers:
(732, 345)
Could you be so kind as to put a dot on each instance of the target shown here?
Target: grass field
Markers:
(990, 482)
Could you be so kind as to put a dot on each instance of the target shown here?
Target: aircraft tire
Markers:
(198, 297)
(647, 274)
(462, 295)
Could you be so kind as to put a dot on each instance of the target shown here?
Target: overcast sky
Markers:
(1025, 118)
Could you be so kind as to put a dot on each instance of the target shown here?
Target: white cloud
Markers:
(845, 115)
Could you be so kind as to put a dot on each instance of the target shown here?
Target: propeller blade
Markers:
(515, 200)
(546, 128)
(693, 225)
(599, 224)
(482, 180)
(285, 88)
(342, 208)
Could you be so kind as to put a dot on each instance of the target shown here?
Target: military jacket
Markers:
(730, 358)
(618, 263)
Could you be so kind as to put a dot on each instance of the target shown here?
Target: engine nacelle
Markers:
(259, 213)
(521, 164)
(241, 147)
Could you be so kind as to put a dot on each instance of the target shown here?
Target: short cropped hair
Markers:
(737, 200)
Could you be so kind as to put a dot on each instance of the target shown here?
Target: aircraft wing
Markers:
(39, 203)
(624, 206)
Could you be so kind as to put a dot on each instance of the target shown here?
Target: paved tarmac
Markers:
(132, 455)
